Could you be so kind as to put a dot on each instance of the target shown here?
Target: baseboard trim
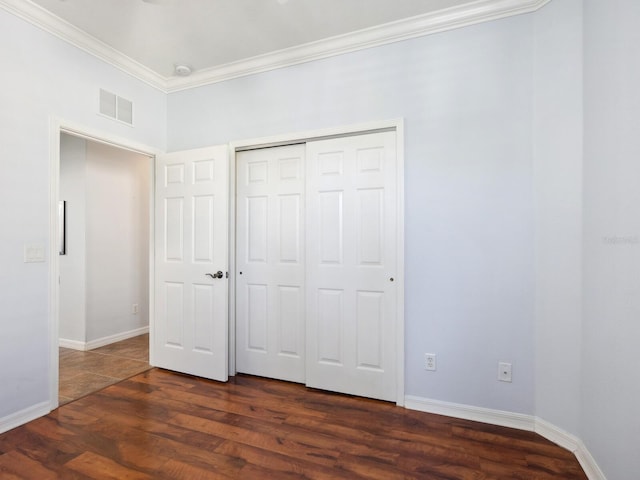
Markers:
(588, 463)
(101, 342)
(23, 416)
(74, 344)
(558, 436)
(469, 412)
(512, 420)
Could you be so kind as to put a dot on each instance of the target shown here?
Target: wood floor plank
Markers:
(179, 470)
(276, 464)
(164, 425)
(102, 468)
(16, 465)
(266, 441)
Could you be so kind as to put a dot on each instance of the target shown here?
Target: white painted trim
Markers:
(101, 342)
(400, 331)
(152, 260)
(573, 444)
(56, 127)
(472, 13)
(470, 412)
(47, 21)
(397, 125)
(557, 435)
(23, 416)
(421, 25)
(512, 420)
(72, 344)
(231, 336)
(588, 463)
(54, 261)
(317, 134)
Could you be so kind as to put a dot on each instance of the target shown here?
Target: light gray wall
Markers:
(466, 97)
(43, 76)
(118, 189)
(611, 341)
(557, 148)
(73, 182)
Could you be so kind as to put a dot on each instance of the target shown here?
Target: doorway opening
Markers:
(101, 261)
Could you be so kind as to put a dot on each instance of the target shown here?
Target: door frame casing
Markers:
(396, 125)
(58, 126)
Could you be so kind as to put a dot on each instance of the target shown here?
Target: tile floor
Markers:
(82, 373)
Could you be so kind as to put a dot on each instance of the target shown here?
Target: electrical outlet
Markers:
(504, 372)
(134, 308)
(430, 361)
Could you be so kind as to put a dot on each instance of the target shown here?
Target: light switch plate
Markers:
(34, 253)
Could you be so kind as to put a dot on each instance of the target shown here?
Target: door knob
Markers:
(218, 274)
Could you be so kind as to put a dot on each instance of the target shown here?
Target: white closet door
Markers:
(190, 327)
(270, 271)
(351, 265)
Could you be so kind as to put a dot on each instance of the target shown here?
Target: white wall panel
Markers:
(257, 229)
(330, 164)
(370, 226)
(369, 324)
(257, 317)
(173, 314)
(258, 173)
(203, 171)
(203, 312)
(290, 233)
(202, 222)
(370, 160)
(290, 305)
(174, 229)
(174, 175)
(330, 325)
(330, 231)
(290, 169)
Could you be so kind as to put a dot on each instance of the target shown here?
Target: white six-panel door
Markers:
(351, 265)
(338, 286)
(190, 331)
(270, 320)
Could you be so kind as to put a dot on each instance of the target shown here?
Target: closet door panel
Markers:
(270, 319)
(351, 203)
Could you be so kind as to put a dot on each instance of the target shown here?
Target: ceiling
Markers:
(220, 39)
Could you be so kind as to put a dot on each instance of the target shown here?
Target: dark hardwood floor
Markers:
(162, 425)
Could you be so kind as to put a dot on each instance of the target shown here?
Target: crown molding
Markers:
(442, 20)
(448, 19)
(62, 29)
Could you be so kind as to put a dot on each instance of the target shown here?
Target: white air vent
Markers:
(118, 108)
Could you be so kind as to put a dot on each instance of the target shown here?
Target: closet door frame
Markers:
(396, 125)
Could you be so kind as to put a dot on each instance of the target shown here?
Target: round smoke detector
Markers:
(182, 70)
